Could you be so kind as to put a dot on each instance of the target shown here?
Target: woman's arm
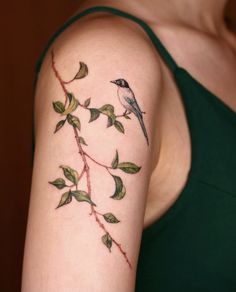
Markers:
(93, 160)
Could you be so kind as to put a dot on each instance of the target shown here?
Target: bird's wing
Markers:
(133, 103)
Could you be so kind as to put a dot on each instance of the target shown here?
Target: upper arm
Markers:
(90, 162)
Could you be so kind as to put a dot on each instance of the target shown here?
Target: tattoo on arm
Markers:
(72, 177)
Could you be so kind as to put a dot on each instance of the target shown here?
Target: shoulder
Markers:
(112, 47)
(109, 42)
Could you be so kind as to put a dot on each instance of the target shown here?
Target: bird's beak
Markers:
(113, 81)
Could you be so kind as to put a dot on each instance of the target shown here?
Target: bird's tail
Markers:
(140, 118)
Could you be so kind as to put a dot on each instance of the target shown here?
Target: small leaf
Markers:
(70, 96)
(82, 196)
(59, 125)
(109, 122)
(115, 161)
(72, 105)
(74, 121)
(119, 126)
(110, 218)
(82, 141)
(129, 167)
(70, 174)
(87, 102)
(127, 117)
(107, 108)
(94, 114)
(59, 183)
(83, 71)
(107, 240)
(58, 107)
(66, 198)
(120, 190)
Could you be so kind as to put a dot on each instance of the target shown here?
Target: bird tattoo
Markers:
(127, 99)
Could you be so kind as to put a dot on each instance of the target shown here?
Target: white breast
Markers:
(122, 93)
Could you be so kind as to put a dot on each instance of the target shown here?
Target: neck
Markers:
(206, 15)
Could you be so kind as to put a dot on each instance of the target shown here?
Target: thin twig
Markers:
(98, 163)
(117, 116)
(68, 82)
(123, 115)
(82, 173)
(59, 77)
(113, 240)
(93, 211)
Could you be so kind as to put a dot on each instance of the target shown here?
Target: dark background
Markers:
(26, 27)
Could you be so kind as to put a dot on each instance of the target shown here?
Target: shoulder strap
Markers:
(155, 40)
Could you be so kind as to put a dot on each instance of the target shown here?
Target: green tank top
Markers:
(192, 247)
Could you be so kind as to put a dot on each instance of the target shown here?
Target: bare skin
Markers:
(201, 43)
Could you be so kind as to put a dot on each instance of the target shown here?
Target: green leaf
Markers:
(59, 125)
(70, 96)
(82, 141)
(109, 122)
(127, 117)
(112, 117)
(119, 126)
(110, 218)
(107, 240)
(107, 108)
(66, 198)
(58, 107)
(120, 190)
(115, 161)
(129, 167)
(59, 183)
(94, 114)
(70, 174)
(74, 121)
(82, 196)
(72, 105)
(87, 102)
(83, 71)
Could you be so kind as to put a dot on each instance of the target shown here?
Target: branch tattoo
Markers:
(72, 177)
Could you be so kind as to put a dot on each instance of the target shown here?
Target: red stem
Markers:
(58, 76)
(82, 173)
(68, 82)
(93, 211)
(86, 168)
(113, 240)
(98, 163)
(124, 114)
(117, 116)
